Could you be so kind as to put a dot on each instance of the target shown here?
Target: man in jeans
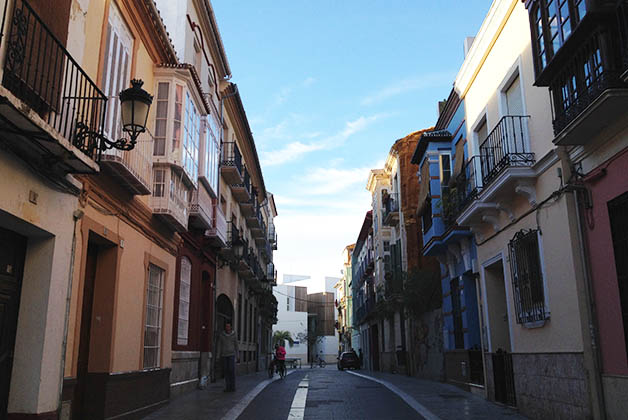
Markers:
(228, 349)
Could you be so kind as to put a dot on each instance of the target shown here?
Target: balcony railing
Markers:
(506, 146)
(272, 236)
(172, 209)
(468, 185)
(201, 208)
(391, 209)
(592, 69)
(231, 163)
(218, 233)
(233, 235)
(134, 168)
(242, 190)
(39, 71)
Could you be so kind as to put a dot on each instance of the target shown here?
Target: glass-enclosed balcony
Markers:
(201, 208)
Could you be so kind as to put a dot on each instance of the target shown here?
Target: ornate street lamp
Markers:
(134, 104)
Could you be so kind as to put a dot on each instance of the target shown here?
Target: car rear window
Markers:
(348, 356)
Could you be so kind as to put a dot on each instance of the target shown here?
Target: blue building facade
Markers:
(441, 155)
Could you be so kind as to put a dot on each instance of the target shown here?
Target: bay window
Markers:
(212, 152)
(191, 137)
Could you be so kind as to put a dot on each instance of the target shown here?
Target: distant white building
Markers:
(292, 317)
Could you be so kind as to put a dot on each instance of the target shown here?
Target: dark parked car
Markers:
(348, 360)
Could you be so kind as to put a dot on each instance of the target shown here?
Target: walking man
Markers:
(228, 349)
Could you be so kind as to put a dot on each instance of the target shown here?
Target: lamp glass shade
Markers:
(134, 106)
(134, 115)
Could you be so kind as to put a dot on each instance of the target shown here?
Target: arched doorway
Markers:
(224, 314)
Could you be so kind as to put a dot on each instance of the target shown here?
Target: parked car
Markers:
(348, 360)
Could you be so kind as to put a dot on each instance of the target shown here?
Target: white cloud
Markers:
(296, 149)
(282, 95)
(326, 181)
(408, 85)
(309, 81)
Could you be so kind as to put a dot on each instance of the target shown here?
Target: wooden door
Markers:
(12, 251)
(86, 324)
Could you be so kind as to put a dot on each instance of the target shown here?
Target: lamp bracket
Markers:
(84, 133)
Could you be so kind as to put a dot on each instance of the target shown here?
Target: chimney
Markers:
(468, 41)
(441, 106)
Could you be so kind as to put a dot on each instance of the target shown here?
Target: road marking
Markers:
(419, 408)
(237, 409)
(297, 410)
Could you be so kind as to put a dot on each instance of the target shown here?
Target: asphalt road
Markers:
(327, 394)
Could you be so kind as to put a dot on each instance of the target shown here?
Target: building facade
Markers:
(583, 64)
(292, 315)
(344, 303)
(514, 204)
(441, 154)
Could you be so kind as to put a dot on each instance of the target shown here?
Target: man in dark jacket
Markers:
(227, 349)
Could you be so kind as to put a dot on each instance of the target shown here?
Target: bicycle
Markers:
(271, 366)
(281, 369)
(318, 360)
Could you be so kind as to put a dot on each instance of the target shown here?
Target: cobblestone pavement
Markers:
(333, 395)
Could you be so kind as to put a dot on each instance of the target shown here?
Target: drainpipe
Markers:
(586, 301)
(77, 215)
(598, 405)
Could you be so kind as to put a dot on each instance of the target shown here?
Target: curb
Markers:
(236, 410)
(419, 408)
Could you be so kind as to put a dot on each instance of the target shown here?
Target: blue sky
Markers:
(328, 86)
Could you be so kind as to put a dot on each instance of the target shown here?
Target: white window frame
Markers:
(183, 313)
(116, 80)
(159, 289)
(440, 166)
(191, 137)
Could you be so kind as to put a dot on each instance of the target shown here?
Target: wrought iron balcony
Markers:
(248, 206)
(46, 96)
(234, 239)
(231, 167)
(242, 190)
(255, 222)
(506, 146)
(468, 185)
(271, 273)
(272, 236)
(391, 209)
(218, 234)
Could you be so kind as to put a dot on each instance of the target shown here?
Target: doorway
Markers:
(224, 315)
(499, 333)
(80, 390)
(374, 347)
(12, 253)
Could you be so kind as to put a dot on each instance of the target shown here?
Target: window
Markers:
(426, 215)
(116, 69)
(287, 303)
(454, 287)
(239, 316)
(191, 138)
(152, 327)
(552, 23)
(178, 110)
(618, 215)
(212, 152)
(527, 277)
(482, 132)
(161, 119)
(245, 320)
(159, 182)
(185, 283)
(445, 169)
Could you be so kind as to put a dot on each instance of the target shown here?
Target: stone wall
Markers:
(184, 374)
(426, 346)
(547, 385)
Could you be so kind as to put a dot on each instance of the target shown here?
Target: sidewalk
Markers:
(446, 401)
(210, 403)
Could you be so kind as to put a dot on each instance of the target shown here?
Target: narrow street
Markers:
(330, 394)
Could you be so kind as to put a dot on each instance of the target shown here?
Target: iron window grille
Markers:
(527, 277)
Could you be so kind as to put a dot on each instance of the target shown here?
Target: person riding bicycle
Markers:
(280, 357)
